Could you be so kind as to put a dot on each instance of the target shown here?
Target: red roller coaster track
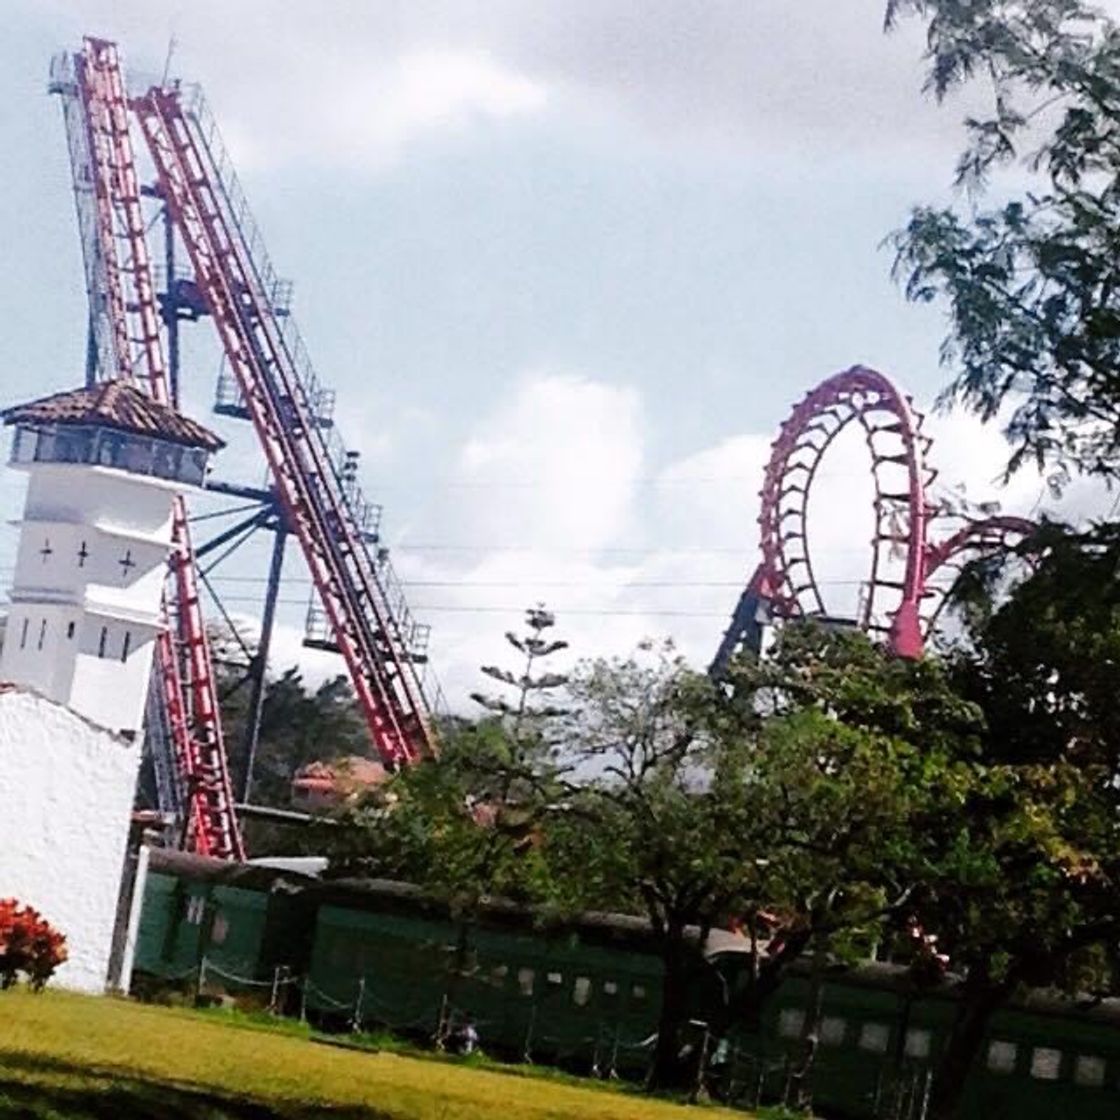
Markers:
(121, 281)
(900, 601)
(367, 620)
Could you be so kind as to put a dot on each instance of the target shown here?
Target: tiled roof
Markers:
(353, 770)
(115, 404)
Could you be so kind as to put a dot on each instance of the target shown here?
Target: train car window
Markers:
(610, 987)
(556, 979)
(220, 929)
(525, 977)
(917, 1043)
(196, 907)
(1001, 1056)
(833, 1030)
(874, 1037)
(498, 974)
(1046, 1063)
(581, 991)
(1088, 1071)
(638, 992)
(791, 1022)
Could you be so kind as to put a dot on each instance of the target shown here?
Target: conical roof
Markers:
(115, 404)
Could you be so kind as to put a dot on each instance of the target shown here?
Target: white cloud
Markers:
(352, 85)
(357, 115)
(442, 87)
(554, 465)
(551, 501)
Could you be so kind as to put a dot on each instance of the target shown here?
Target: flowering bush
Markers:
(29, 944)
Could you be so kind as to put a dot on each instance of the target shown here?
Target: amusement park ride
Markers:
(902, 597)
(314, 494)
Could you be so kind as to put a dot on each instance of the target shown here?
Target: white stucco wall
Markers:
(66, 793)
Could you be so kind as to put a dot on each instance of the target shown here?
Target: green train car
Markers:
(581, 993)
(585, 994)
(1044, 1057)
(244, 921)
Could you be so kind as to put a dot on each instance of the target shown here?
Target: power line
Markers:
(605, 585)
(590, 585)
(459, 608)
(453, 483)
(746, 551)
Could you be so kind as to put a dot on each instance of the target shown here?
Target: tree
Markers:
(861, 756)
(1032, 285)
(519, 752)
(467, 827)
(1021, 887)
(790, 799)
(298, 724)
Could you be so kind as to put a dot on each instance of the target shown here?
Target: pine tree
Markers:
(527, 724)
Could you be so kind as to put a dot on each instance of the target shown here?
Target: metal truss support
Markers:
(260, 661)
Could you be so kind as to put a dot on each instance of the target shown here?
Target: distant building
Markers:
(329, 785)
(104, 466)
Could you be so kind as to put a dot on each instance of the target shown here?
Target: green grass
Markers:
(71, 1057)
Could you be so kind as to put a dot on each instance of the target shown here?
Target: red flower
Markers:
(29, 944)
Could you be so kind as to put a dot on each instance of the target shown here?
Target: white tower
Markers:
(104, 466)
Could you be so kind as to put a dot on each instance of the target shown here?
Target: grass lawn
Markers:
(71, 1057)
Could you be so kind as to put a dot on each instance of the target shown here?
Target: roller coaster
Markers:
(358, 608)
(903, 596)
(314, 490)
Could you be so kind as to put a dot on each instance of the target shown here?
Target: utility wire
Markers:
(458, 608)
(589, 585)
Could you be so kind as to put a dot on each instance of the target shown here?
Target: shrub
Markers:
(29, 944)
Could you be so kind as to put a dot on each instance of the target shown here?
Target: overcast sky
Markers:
(567, 264)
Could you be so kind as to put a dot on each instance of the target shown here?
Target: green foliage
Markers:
(858, 754)
(434, 825)
(1035, 324)
(1045, 668)
(1031, 285)
(1020, 886)
(468, 826)
(792, 798)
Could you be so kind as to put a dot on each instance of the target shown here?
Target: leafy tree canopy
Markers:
(1031, 284)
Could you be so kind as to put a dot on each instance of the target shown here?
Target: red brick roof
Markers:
(115, 404)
